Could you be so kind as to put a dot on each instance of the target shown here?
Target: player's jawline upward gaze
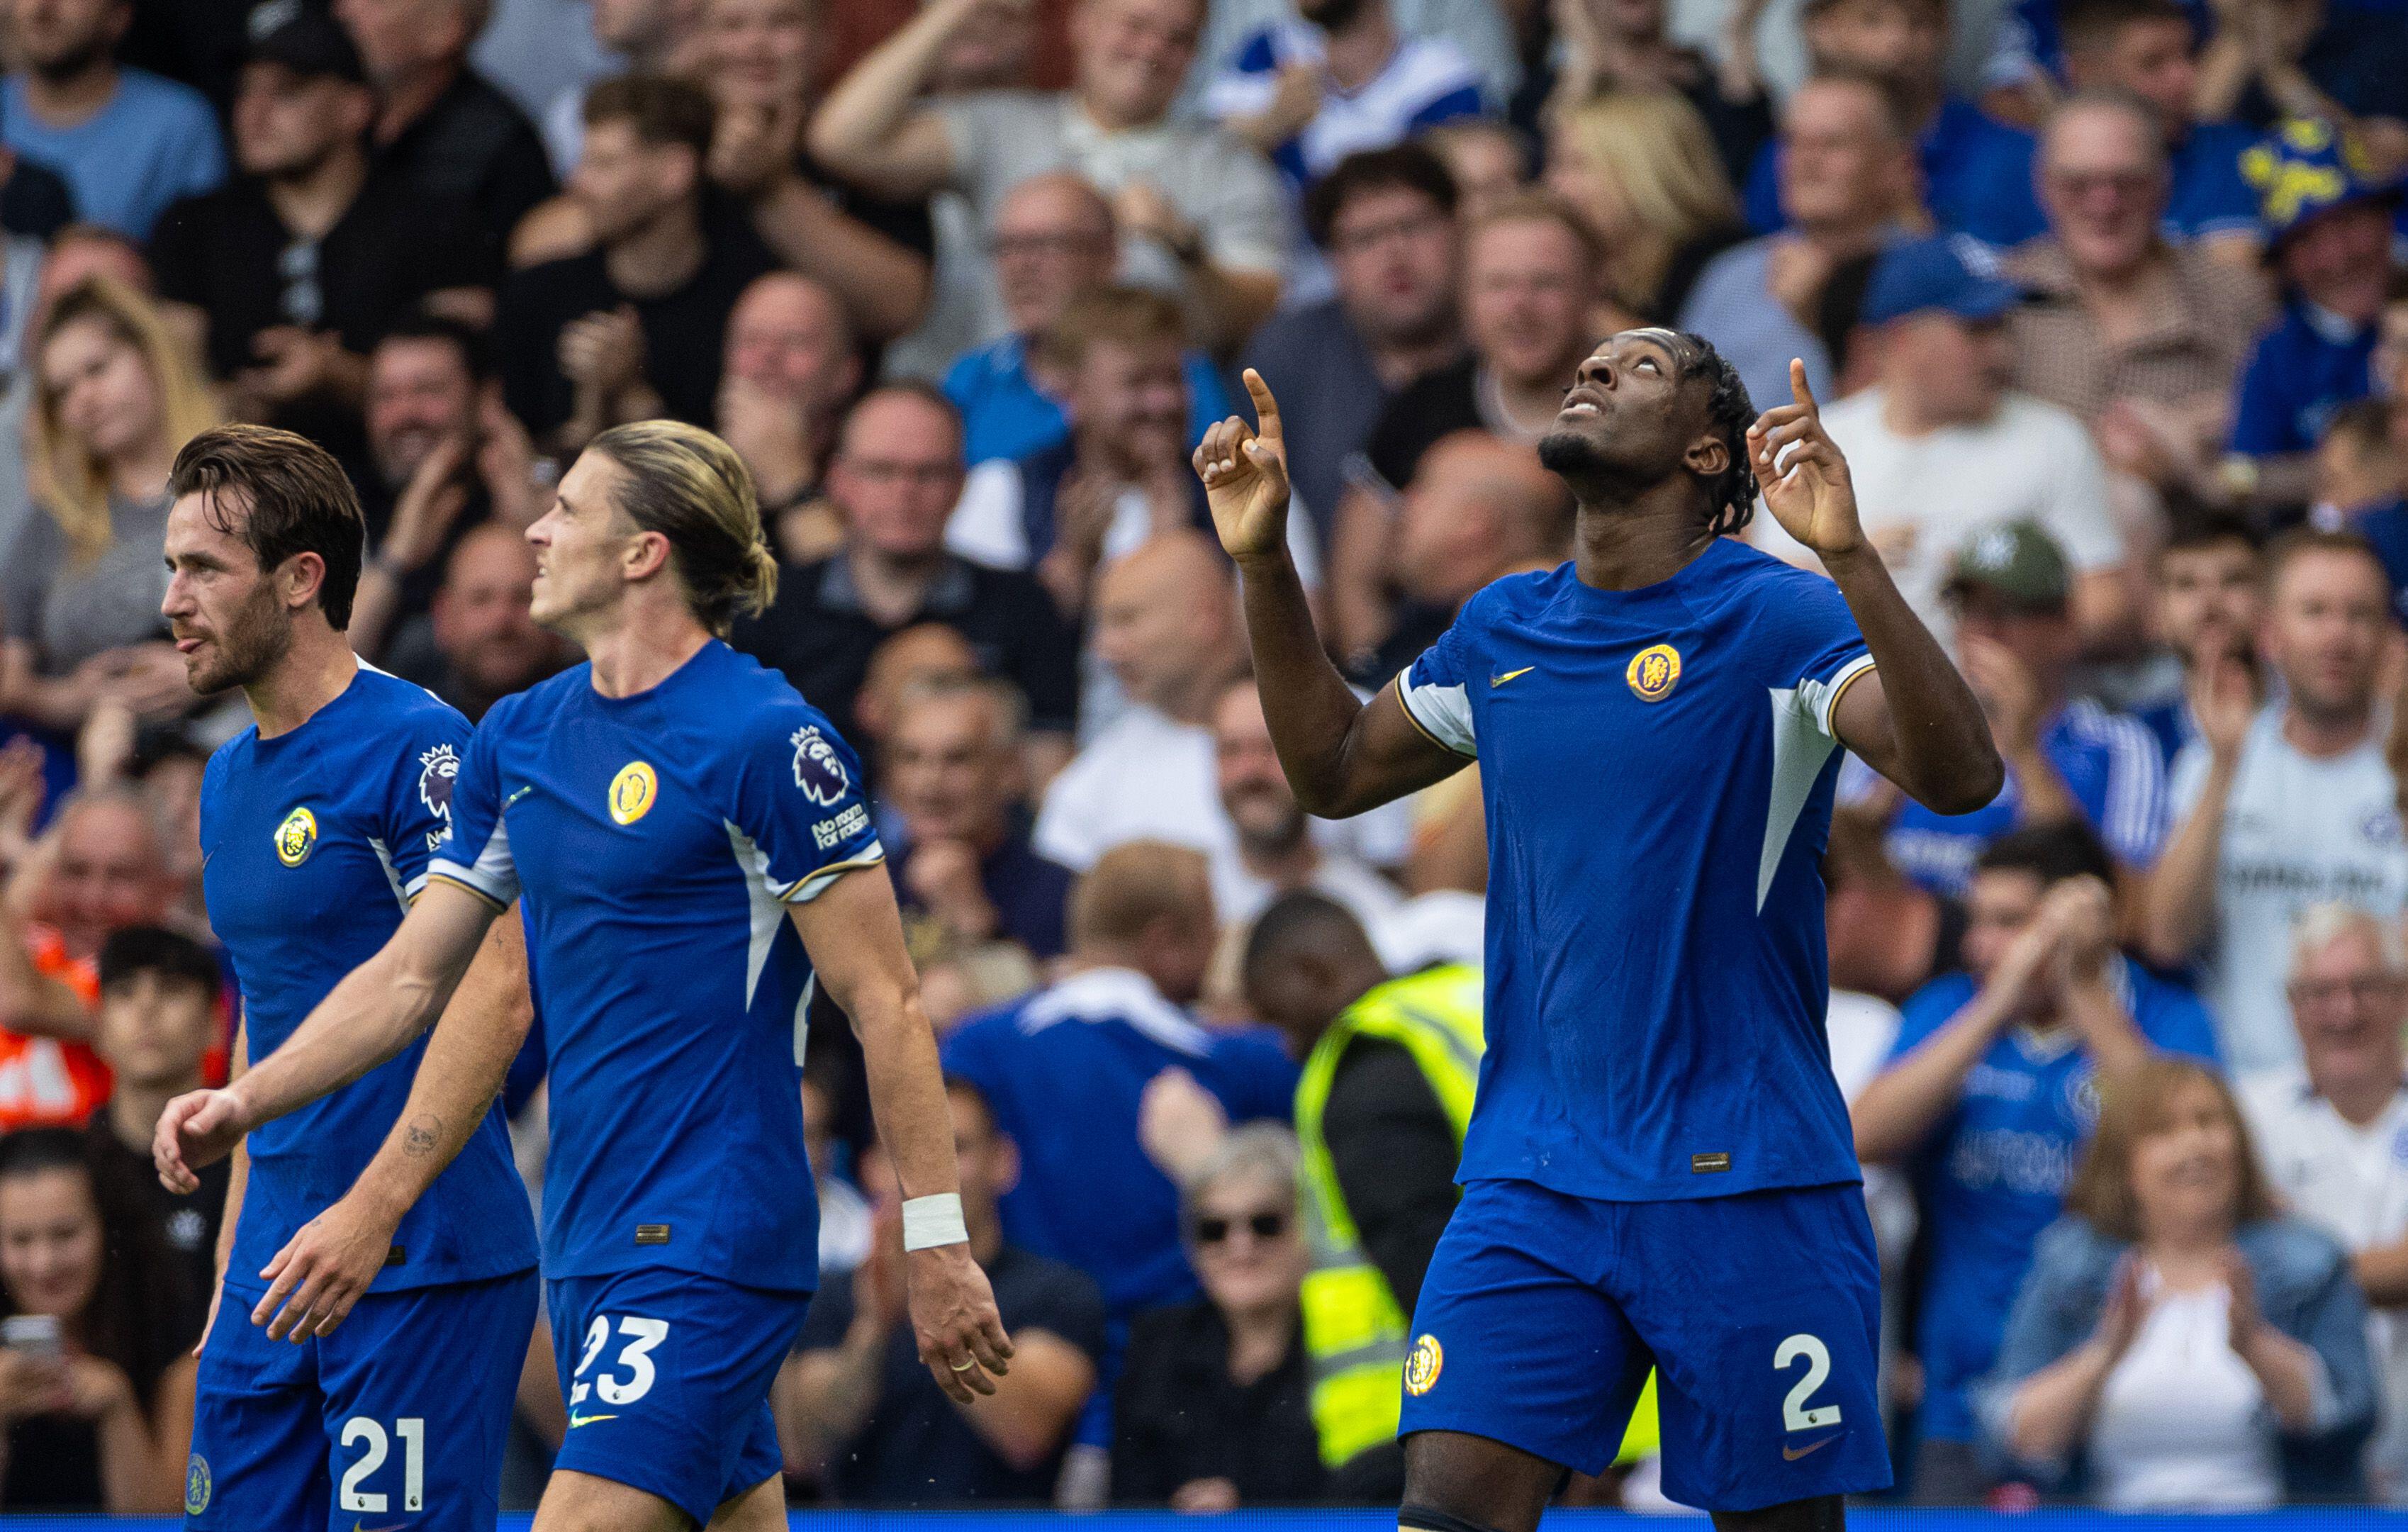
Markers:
(681, 1229)
(1659, 1171)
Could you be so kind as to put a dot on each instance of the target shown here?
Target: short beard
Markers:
(255, 645)
(1568, 455)
(72, 64)
(1335, 15)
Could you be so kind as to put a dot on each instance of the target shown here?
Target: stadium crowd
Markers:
(2108, 298)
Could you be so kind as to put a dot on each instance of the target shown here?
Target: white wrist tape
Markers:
(932, 1221)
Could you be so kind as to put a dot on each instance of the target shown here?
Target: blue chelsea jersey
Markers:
(656, 843)
(313, 844)
(1657, 766)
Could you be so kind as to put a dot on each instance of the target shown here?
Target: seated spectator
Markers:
(962, 865)
(1889, 934)
(284, 278)
(1053, 240)
(2132, 332)
(2149, 49)
(1212, 1410)
(440, 126)
(1338, 80)
(855, 1403)
(1976, 171)
(1141, 936)
(1986, 1098)
(633, 327)
(1847, 186)
(1122, 475)
(1384, 222)
(792, 370)
(2206, 601)
(2328, 227)
(156, 1026)
(1943, 449)
(2179, 1344)
(2069, 760)
(1202, 213)
(2361, 472)
(477, 643)
(99, 1415)
(2283, 805)
(1276, 851)
(894, 480)
(1606, 48)
(79, 591)
(126, 142)
(1639, 166)
(2328, 1127)
(928, 651)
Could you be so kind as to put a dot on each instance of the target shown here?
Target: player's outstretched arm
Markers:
(1914, 720)
(330, 1261)
(855, 937)
(1341, 755)
(376, 1010)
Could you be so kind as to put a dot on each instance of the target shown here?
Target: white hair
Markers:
(1258, 1151)
(2320, 926)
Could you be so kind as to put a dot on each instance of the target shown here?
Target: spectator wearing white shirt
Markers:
(2285, 807)
(1275, 849)
(2332, 1133)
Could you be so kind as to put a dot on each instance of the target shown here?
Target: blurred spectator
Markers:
(1212, 1412)
(792, 369)
(1889, 934)
(2309, 59)
(1336, 80)
(636, 327)
(285, 278)
(855, 1402)
(478, 644)
(440, 126)
(1276, 852)
(1381, 1109)
(1606, 48)
(1530, 278)
(47, 1075)
(1141, 934)
(846, 1218)
(1483, 31)
(2286, 806)
(1847, 185)
(80, 589)
(1943, 450)
(1639, 166)
(1053, 239)
(1203, 213)
(896, 473)
(2070, 759)
(98, 1403)
(2328, 220)
(647, 37)
(1477, 510)
(2180, 1343)
(2205, 603)
(2327, 1132)
(954, 776)
(2361, 472)
(1488, 162)
(1976, 171)
(1988, 1096)
(35, 202)
(447, 458)
(925, 651)
(2149, 49)
(2139, 336)
(1385, 222)
(126, 141)
(157, 1022)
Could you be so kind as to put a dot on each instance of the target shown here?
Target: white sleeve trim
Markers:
(1818, 697)
(494, 874)
(1442, 713)
(811, 886)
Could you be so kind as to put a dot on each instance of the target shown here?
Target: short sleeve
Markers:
(1807, 624)
(1243, 214)
(1927, 1010)
(2133, 816)
(2178, 1023)
(798, 799)
(418, 799)
(1065, 1301)
(1433, 690)
(474, 848)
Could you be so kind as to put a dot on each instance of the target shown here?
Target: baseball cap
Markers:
(2016, 561)
(308, 42)
(2306, 167)
(1952, 273)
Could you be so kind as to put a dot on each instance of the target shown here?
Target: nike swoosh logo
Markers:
(576, 1421)
(505, 803)
(1495, 681)
(1791, 1454)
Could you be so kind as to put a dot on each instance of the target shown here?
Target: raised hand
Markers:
(1809, 493)
(1245, 477)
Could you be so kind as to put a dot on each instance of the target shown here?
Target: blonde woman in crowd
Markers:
(1641, 168)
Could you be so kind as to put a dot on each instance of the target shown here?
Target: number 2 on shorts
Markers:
(1794, 1416)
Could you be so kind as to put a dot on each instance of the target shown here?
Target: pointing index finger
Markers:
(1267, 415)
(1798, 389)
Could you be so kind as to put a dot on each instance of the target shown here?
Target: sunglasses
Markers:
(1212, 1231)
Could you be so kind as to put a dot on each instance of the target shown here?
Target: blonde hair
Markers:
(686, 484)
(70, 483)
(2134, 1104)
(1657, 151)
(1134, 885)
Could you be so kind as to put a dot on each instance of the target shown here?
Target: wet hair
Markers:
(297, 500)
(1730, 412)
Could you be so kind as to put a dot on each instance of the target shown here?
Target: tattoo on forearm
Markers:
(418, 1140)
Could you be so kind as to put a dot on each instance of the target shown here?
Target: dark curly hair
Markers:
(1729, 410)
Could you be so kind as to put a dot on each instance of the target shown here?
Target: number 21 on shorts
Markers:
(1795, 1415)
(411, 1429)
(637, 1337)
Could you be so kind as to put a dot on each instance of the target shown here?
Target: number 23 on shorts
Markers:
(630, 1374)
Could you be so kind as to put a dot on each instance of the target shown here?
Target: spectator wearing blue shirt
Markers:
(126, 141)
(2361, 485)
(2149, 48)
(2328, 220)
(1054, 238)
(1976, 171)
(2068, 762)
(1991, 1091)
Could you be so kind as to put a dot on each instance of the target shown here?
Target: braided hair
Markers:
(1729, 410)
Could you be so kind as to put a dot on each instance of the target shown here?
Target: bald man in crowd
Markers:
(793, 365)
(477, 643)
